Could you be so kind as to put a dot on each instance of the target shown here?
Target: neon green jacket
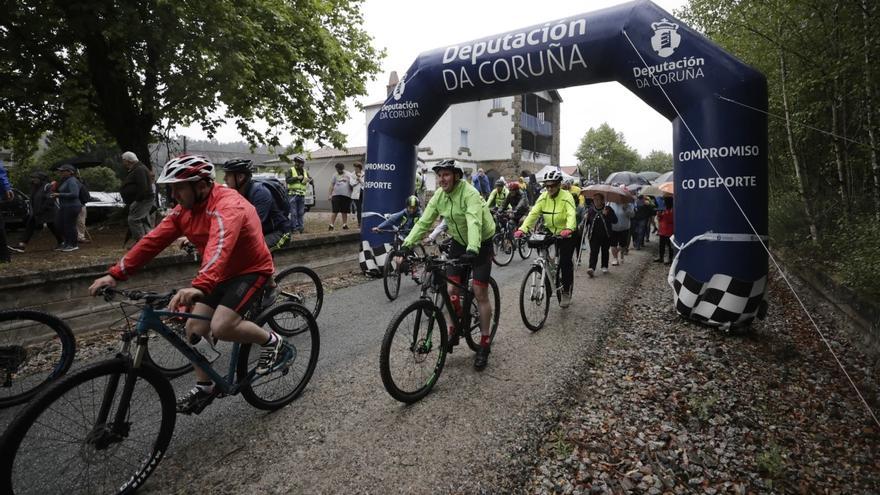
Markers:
(466, 214)
(496, 199)
(559, 212)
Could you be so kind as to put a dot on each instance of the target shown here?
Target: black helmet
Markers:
(413, 201)
(447, 165)
(239, 165)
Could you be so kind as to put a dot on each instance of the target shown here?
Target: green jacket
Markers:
(559, 212)
(496, 199)
(297, 187)
(466, 214)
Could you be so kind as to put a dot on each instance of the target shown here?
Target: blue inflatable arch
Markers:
(720, 275)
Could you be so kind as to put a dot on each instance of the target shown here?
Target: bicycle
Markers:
(111, 422)
(537, 289)
(410, 359)
(503, 240)
(35, 349)
(392, 272)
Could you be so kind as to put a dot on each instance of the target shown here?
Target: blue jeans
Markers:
(638, 232)
(297, 212)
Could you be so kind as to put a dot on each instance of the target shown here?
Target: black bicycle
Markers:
(503, 241)
(35, 349)
(415, 344)
(542, 279)
(105, 428)
(392, 272)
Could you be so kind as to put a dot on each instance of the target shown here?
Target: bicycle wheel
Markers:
(301, 285)
(35, 348)
(473, 335)
(164, 356)
(284, 384)
(534, 299)
(391, 276)
(504, 249)
(525, 251)
(59, 444)
(413, 351)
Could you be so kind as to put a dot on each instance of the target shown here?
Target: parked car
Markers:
(102, 205)
(16, 211)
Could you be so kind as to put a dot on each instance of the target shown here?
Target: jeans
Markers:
(66, 218)
(297, 212)
(638, 232)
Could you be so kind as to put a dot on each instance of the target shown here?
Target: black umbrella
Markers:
(626, 178)
(667, 177)
(649, 175)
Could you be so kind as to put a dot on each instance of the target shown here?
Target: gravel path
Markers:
(670, 407)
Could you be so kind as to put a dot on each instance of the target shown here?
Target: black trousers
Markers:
(4, 251)
(32, 226)
(565, 248)
(597, 245)
(664, 242)
(66, 218)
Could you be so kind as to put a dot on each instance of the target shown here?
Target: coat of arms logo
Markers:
(399, 89)
(666, 38)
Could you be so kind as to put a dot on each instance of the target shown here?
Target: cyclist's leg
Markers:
(482, 270)
(228, 323)
(201, 328)
(566, 250)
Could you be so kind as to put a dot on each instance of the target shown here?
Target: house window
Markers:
(496, 103)
(464, 138)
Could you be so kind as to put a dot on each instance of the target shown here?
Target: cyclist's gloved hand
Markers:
(468, 257)
(518, 234)
(566, 233)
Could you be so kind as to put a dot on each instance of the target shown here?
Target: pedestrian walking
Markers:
(340, 196)
(69, 207)
(357, 190)
(44, 209)
(665, 229)
(137, 194)
(600, 218)
(297, 179)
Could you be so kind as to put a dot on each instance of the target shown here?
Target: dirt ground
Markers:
(105, 246)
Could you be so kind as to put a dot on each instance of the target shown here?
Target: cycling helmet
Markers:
(568, 182)
(513, 186)
(298, 159)
(242, 165)
(413, 201)
(500, 182)
(447, 165)
(186, 168)
(552, 176)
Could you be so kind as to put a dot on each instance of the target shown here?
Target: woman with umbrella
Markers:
(600, 218)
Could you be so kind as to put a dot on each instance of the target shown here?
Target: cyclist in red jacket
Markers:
(236, 264)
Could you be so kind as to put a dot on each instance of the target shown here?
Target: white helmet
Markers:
(186, 168)
(552, 176)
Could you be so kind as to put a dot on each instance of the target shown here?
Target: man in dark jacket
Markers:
(44, 208)
(600, 218)
(6, 194)
(137, 194)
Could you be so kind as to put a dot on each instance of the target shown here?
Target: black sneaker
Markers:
(195, 401)
(482, 358)
(270, 354)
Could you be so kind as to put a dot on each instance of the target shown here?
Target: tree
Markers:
(136, 67)
(656, 161)
(605, 149)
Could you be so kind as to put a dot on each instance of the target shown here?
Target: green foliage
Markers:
(135, 68)
(771, 461)
(605, 149)
(656, 161)
(100, 179)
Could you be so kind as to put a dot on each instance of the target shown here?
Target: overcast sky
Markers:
(405, 29)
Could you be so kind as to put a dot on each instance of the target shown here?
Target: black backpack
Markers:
(84, 195)
(278, 191)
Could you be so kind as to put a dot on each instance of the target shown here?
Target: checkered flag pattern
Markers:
(372, 259)
(723, 300)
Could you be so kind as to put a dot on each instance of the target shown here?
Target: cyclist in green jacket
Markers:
(558, 208)
(498, 195)
(471, 227)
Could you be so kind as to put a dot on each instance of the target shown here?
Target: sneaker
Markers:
(270, 354)
(16, 249)
(329, 228)
(565, 301)
(69, 249)
(590, 272)
(658, 260)
(482, 358)
(62, 247)
(614, 262)
(195, 401)
(345, 226)
(604, 270)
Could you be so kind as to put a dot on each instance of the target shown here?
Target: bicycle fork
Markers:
(105, 434)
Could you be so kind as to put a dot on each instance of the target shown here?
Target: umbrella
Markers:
(649, 175)
(651, 191)
(626, 178)
(663, 178)
(613, 194)
(668, 187)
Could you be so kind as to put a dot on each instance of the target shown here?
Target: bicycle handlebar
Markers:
(154, 299)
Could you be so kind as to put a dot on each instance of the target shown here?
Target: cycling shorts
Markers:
(238, 293)
(482, 267)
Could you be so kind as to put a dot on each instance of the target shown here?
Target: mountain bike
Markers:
(541, 280)
(392, 272)
(106, 427)
(416, 342)
(35, 349)
(503, 240)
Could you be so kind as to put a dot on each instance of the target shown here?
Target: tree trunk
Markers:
(814, 233)
(869, 109)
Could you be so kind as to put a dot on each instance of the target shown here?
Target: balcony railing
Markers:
(536, 157)
(535, 125)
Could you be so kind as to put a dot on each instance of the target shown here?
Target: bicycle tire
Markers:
(525, 251)
(504, 249)
(528, 297)
(165, 357)
(391, 276)
(472, 336)
(56, 357)
(413, 346)
(42, 459)
(307, 290)
(267, 392)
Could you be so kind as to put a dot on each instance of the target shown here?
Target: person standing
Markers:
(666, 228)
(620, 231)
(600, 218)
(297, 179)
(640, 220)
(6, 194)
(137, 194)
(357, 190)
(481, 183)
(43, 211)
(340, 196)
(69, 207)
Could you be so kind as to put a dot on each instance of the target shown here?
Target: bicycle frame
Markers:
(545, 261)
(439, 277)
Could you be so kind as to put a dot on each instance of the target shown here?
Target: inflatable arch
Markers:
(719, 276)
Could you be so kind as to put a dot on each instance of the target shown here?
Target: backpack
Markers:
(84, 195)
(278, 191)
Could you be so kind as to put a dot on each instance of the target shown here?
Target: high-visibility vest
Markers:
(298, 188)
